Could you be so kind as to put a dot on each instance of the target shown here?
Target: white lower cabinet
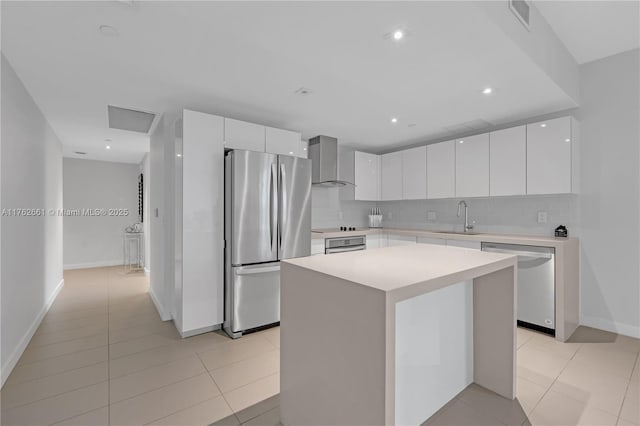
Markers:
(400, 240)
(436, 241)
(317, 246)
(465, 244)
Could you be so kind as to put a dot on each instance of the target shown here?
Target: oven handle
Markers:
(344, 249)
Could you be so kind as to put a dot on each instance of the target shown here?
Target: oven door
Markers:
(344, 249)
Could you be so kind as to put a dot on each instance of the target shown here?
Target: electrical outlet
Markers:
(542, 217)
(431, 216)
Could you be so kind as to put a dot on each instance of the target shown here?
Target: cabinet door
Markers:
(391, 181)
(508, 161)
(373, 241)
(285, 142)
(242, 135)
(472, 166)
(414, 173)
(400, 240)
(367, 176)
(441, 170)
(465, 244)
(549, 156)
(429, 240)
(317, 246)
(202, 226)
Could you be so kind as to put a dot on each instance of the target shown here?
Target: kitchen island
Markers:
(389, 336)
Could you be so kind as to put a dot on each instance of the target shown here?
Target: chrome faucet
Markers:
(467, 227)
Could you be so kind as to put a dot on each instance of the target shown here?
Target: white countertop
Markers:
(396, 268)
(535, 240)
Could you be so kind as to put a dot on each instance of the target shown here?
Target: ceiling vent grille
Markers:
(129, 119)
(522, 10)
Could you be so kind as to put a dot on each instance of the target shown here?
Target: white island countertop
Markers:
(398, 268)
(388, 336)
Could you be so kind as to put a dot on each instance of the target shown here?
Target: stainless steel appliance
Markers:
(267, 218)
(536, 284)
(323, 152)
(344, 244)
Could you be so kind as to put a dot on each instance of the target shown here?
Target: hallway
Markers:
(102, 356)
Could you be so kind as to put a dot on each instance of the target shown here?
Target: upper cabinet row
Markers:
(537, 158)
(255, 137)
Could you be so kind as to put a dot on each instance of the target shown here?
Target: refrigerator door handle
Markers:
(283, 201)
(254, 271)
(272, 205)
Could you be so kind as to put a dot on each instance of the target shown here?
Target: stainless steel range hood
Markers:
(323, 151)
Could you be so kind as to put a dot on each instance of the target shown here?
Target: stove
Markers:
(340, 229)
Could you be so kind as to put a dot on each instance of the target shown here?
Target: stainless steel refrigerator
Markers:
(267, 218)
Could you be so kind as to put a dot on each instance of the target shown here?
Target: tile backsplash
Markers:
(505, 215)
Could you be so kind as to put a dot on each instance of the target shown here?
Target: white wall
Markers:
(91, 241)
(159, 220)
(31, 248)
(145, 169)
(609, 201)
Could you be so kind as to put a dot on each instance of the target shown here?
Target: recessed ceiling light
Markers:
(487, 90)
(108, 31)
(543, 125)
(398, 34)
(567, 140)
(290, 152)
(108, 146)
(178, 155)
(303, 91)
(394, 120)
(461, 142)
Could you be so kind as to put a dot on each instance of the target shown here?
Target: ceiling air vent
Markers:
(522, 10)
(129, 119)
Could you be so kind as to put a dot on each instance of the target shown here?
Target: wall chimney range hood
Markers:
(323, 151)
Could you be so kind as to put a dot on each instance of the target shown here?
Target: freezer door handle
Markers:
(283, 200)
(254, 271)
(273, 194)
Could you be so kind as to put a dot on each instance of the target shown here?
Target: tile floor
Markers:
(102, 356)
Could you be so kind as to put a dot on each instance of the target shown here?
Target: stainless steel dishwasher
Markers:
(536, 284)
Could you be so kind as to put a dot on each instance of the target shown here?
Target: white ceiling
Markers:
(244, 60)
(593, 30)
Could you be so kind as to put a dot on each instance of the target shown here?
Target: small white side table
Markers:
(132, 250)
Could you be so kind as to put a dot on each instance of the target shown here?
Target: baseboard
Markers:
(164, 316)
(11, 362)
(99, 264)
(190, 333)
(609, 325)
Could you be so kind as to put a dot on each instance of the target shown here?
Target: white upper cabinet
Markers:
(414, 173)
(508, 159)
(242, 135)
(367, 176)
(549, 155)
(472, 166)
(285, 142)
(441, 170)
(391, 182)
